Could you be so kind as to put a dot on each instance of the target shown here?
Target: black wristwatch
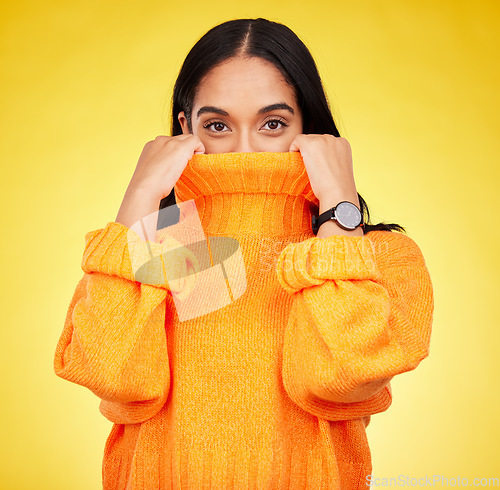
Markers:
(345, 213)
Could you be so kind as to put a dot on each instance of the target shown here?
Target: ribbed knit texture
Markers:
(245, 396)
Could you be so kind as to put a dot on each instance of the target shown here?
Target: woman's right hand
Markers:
(160, 166)
(162, 162)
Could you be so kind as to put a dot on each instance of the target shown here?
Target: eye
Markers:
(274, 124)
(217, 126)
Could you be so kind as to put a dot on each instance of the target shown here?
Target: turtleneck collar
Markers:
(264, 193)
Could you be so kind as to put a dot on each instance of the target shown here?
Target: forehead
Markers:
(244, 81)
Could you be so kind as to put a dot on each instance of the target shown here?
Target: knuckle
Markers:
(162, 139)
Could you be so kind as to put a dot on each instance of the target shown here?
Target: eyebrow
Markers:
(267, 108)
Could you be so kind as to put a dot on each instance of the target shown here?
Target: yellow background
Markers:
(414, 88)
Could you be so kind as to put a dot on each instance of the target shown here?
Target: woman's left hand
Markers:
(328, 161)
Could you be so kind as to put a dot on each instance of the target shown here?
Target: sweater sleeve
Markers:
(361, 313)
(114, 339)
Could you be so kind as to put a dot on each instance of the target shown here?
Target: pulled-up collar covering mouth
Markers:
(267, 193)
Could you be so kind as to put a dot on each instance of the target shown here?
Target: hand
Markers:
(328, 162)
(162, 162)
(160, 165)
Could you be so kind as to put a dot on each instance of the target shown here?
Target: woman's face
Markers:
(244, 105)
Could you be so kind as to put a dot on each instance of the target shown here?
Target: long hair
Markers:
(273, 42)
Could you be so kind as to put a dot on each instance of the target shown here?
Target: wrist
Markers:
(147, 191)
(137, 204)
(332, 200)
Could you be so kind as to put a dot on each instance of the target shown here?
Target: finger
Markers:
(199, 148)
(180, 137)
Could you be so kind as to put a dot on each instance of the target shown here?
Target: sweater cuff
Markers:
(106, 251)
(117, 250)
(316, 260)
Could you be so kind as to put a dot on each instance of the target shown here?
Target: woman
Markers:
(273, 386)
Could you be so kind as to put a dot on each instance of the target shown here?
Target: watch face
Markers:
(348, 215)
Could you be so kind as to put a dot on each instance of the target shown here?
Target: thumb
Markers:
(294, 147)
(200, 148)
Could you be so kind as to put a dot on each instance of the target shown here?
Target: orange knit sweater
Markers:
(248, 395)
